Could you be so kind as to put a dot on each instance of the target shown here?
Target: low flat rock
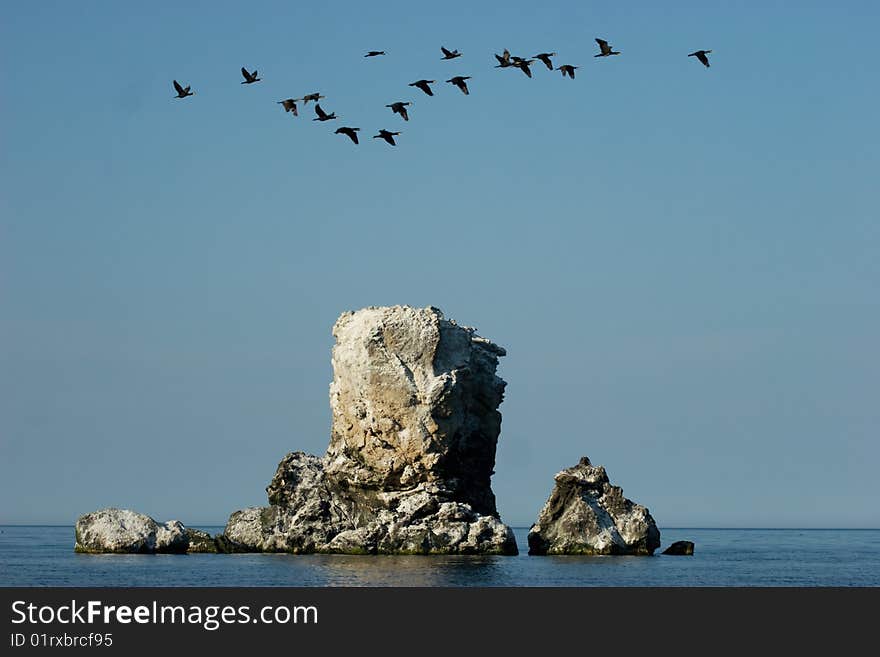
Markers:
(585, 514)
(123, 531)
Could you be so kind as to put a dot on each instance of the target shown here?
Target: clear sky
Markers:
(681, 262)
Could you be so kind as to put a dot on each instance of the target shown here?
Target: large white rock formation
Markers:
(412, 448)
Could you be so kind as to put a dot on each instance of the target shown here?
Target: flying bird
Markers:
(700, 54)
(322, 115)
(449, 54)
(375, 53)
(605, 48)
(351, 132)
(387, 136)
(249, 78)
(182, 92)
(545, 57)
(423, 85)
(400, 108)
(459, 81)
(503, 59)
(289, 105)
(568, 69)
(523, 65)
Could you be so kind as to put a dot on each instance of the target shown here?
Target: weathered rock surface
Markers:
(680, 549)
(414, 400)
(121, 530)
(415, 403)
(585, 514)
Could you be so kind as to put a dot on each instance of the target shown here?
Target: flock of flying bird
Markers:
(505, 60)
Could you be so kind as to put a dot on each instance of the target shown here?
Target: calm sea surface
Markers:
(43, 556)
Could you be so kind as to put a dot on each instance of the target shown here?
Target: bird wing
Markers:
(603, 44)
(702, 57)
(320, 112)
(525, 69)
(244, 72)
(293, 108)
(178, 87)
(446, 52)
(404, 114)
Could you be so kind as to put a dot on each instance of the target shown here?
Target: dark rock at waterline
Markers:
(200, 542)
(585, 514)
(680, 548)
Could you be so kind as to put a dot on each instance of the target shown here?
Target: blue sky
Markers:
(681, 262)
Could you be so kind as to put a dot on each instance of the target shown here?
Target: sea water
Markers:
(44, 556)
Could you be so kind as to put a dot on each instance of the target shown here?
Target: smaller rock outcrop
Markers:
(200, 541)
(680, 549)
(585, 514)
(125, 531)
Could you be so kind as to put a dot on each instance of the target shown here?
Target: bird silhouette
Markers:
(459, 81)
(387, 136)
(289, 105)
(182, 92)
(400, 108)
(700, 54)
(503, 59)
(605, 48)
(449, 54)
(351, 132)
(523, 65)
(375, 53)
(315, 97)
(249, 78)
(568, 69)
(423, 85)
(322, 115)
(545, 57)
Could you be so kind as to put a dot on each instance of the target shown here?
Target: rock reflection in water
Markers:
(406, 570)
